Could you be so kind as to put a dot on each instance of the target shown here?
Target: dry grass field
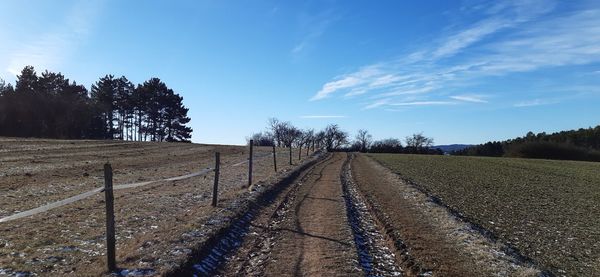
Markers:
(152, 221)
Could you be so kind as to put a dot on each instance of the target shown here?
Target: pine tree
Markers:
(103, 95)
(51, 106)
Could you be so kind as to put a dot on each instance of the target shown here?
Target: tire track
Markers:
(259, 254)
(303, 232)
(374, 255)
(224, 248)
(298, 225)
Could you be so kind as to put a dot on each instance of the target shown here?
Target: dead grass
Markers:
(151, 220)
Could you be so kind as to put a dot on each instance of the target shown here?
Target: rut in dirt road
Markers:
(375, 253)
(321, 226)
(318, 225)
(315, 238)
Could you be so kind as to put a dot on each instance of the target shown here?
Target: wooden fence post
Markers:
(110, 219)
(250, 164)
(300, 152)
(290, 154)
(216, 184)
(274, 158)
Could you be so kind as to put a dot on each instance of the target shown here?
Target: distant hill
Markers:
(452, 147)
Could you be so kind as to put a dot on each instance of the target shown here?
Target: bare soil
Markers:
(352, 217)
(429, 240)
(316, 239)
(304, 233)
(333, 215)
(546, 210)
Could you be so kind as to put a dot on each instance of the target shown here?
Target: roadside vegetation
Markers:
(284, 134)
(547, 210)
(333, 138)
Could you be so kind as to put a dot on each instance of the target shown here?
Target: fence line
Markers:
(52, 205)
(60, 203)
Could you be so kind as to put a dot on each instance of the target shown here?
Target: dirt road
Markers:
(303, 232)
(328, 222)
(316, 227)
(334, 214)
(316, 239)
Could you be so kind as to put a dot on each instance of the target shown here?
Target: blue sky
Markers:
(459, 71)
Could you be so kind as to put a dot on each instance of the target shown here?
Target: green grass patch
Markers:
(547, 210)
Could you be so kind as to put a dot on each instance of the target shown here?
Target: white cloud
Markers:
(523, 40)
(469, 98)
(346, 81)
(356, 92)
(388, 102)
(534, 102)
(570, 40)
(463, 39)
(377, 103)
(322, 116)
(422, 103)
(424, 89)
(387, 80)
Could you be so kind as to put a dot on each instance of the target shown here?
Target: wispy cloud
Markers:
(535, 102)
(322, 116)
(463, 39)
(404, 90)
(469, 98)
(512, 37)
(299, 47)
(423, 103)
(348, 81)
(312, 27)
(51, 48)
(377, 103)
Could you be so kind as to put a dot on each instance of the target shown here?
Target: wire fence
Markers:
(108, 189)
(90, 193)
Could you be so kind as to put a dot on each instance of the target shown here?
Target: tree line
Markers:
(333, 138)
(582, 144)
(414, 144)
(49, 105)
(284, 134)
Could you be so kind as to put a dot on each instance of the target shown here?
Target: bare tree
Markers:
(261, 139)
(363, 140)
(308, 138)
(289, 134)
(418, 142)
(390, 145)
(275, 127)
(320, 138)
(334, 137)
